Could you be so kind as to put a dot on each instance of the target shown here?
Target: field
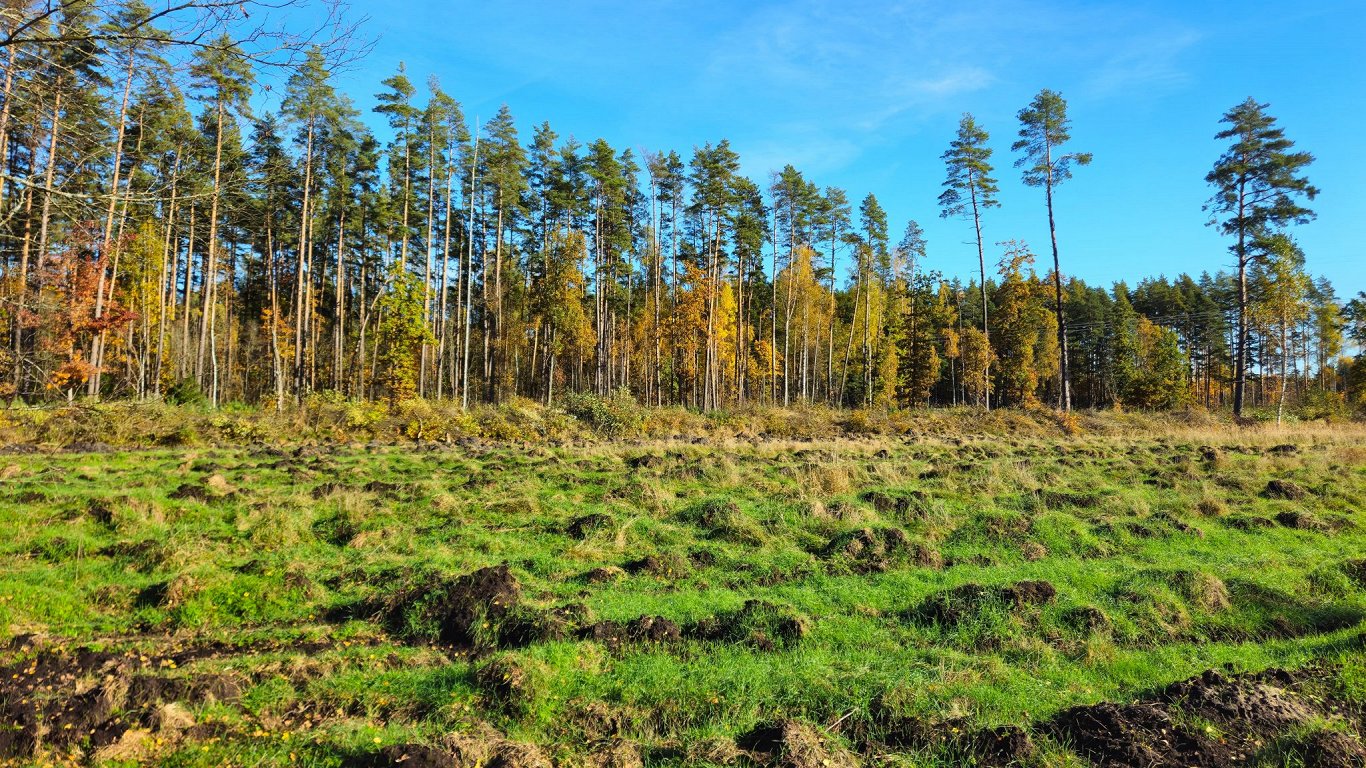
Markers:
(1155, 597)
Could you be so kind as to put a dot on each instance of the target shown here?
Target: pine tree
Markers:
(968, 191)
(503, 161)
(396, 104)
(1044, 128)
(1258, 182)
(224, 80)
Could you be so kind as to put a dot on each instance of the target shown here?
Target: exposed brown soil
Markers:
(869, 550)
(1283, 489)
(667, 565)
(581, 527)
(953, 606)
(644, 629)
(468, 609)
(58, 698)
(763, 625)
(793, 744)
(1212, 720)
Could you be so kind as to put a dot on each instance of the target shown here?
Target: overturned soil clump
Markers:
(1284, 489)
(470, 610)
(758, 623)
(584, 526)
(869, 550)
(954, 606)
(641, 630)
(58, 699)
(1247, 715)
(793, 744)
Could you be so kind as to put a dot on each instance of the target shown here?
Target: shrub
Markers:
(615, 415)
(186, 392)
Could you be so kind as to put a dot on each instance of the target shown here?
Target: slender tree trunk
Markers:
(49, 175)
(97, 340)
(469, 284)
(301, 266)
(276, 364)
(183, 364)
(1240, 353)
(1064, 377)
(427, 321)
(982, 273)
(443, 323)
(209, 290)
(170, 257)
(339, 303)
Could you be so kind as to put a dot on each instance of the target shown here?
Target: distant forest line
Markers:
(161, 241)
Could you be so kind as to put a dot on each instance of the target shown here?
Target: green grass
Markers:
(1157, 572)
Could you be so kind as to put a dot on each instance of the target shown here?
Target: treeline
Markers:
(161, 240)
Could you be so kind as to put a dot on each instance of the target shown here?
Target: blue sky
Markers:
(866, 96)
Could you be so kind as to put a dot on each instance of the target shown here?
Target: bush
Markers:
(615, 415)
(186, 392)
(1323, 404)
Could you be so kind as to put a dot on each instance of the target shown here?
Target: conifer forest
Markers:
(161, 237)
(343, 426)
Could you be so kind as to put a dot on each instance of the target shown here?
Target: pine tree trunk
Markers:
(982, 273)
(1240, 353)
(208, 290)
(1064, 379)
(301, 265)
(97, 341)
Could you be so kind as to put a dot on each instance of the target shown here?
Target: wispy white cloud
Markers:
(1148, 61)
(855, 75)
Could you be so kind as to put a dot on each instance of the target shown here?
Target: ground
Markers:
(1146, 598)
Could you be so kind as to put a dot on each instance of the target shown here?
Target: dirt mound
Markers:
(616, 753)
(145, 690)
(953, 606)
(486, 594)
(414, 756)
(1004, 745)
(889, 502)
(1300, 521)
(1023, 593)
(581, 527)
(1356, 571)
(643, 629)
(1248, 522)
(666, 565)
(468, 611)
(481, 749)
(764, 625)
(48, 702)
(725, 520)
(791, 744)
(512, 754)
(869, 550)
(1251, 714)
(1086, 618)
(1283, 489)
(1332, 749)
(1248, 706)
(956, 740)
(645, 461)
(1135, 735)
(58, 723)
